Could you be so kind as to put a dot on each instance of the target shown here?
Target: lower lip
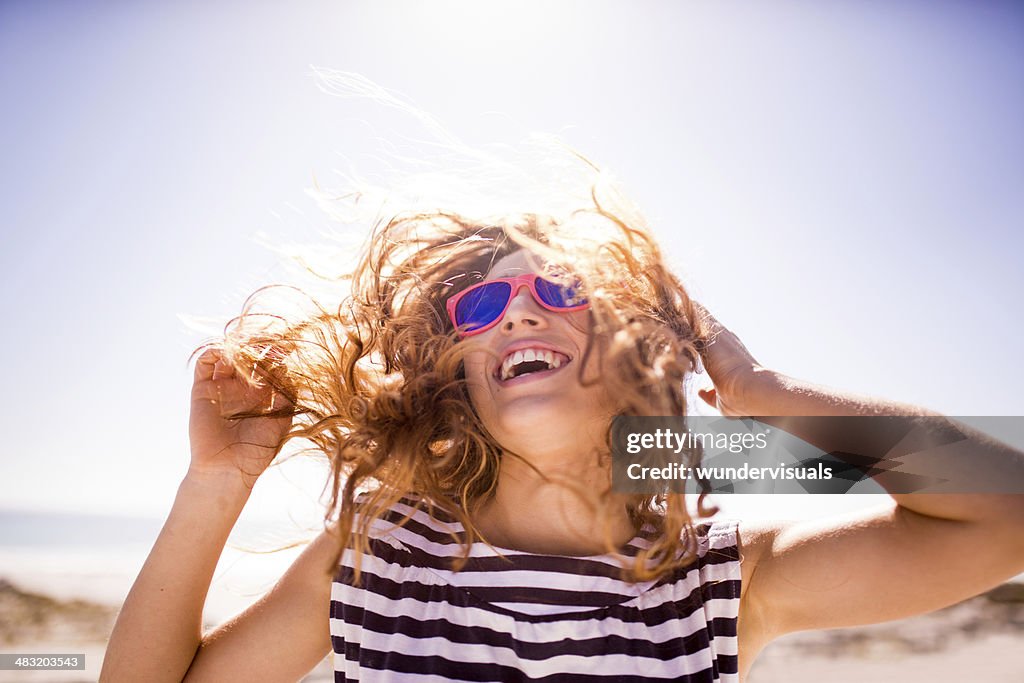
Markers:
(523, 379)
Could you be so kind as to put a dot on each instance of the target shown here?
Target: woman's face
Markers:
(530, 407)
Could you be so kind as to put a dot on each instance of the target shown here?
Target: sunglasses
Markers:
(478, 308)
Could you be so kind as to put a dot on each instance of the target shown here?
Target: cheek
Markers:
(580, 324)
(476, 378)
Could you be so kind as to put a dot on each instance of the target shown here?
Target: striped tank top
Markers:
(514, 616)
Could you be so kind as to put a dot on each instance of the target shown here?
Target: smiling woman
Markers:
(435, 299)
(464, 393)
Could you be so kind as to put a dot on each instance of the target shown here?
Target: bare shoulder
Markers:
(755, 539)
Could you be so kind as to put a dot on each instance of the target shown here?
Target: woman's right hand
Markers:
(222, 444)
(157, 635)
(741, 384)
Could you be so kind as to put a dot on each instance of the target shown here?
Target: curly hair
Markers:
(378, 384)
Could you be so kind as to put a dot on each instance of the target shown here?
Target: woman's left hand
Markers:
(740, 381)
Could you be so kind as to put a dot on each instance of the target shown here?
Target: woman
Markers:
(464, 394)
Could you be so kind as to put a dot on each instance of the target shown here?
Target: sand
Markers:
(978, 639)
(981, 639)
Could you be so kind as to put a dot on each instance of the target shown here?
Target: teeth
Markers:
(506, 368)
(552, 359)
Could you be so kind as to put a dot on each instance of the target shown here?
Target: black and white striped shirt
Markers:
(530, 617)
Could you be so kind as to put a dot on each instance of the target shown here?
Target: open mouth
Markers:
(530, 361)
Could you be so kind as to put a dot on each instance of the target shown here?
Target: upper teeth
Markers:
(553, 360)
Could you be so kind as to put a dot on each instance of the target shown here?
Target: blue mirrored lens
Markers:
(560, 296)
(482, 306)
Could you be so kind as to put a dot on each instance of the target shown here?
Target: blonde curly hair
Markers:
(377, 383)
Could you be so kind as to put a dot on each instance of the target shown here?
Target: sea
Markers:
(97, 557)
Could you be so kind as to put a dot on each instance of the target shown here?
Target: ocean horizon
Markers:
(96, 557)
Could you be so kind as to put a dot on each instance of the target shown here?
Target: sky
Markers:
(840, 183)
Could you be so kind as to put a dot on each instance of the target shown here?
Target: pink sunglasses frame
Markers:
(518, 282)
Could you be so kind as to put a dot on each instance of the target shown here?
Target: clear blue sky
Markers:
(840, 182)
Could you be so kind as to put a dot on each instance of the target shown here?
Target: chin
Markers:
(532, 412)
(554, 418)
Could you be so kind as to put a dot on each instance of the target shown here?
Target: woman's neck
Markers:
(557, 516)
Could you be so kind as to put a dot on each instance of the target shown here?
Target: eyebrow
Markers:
(508, 272)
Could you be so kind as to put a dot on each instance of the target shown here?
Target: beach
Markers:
(63, 578)
(34, 623)
(978, 639)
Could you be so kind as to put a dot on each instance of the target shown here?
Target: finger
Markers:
(708, 326)
(280, 402)
(269, 365)
(222, 369)
(206, 363)
(703, 313)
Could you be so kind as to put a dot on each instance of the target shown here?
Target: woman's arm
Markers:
(922, 552)
(159, 627)
(157, 635)
(283, 635)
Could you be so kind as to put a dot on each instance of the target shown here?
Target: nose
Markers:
(523, 311)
